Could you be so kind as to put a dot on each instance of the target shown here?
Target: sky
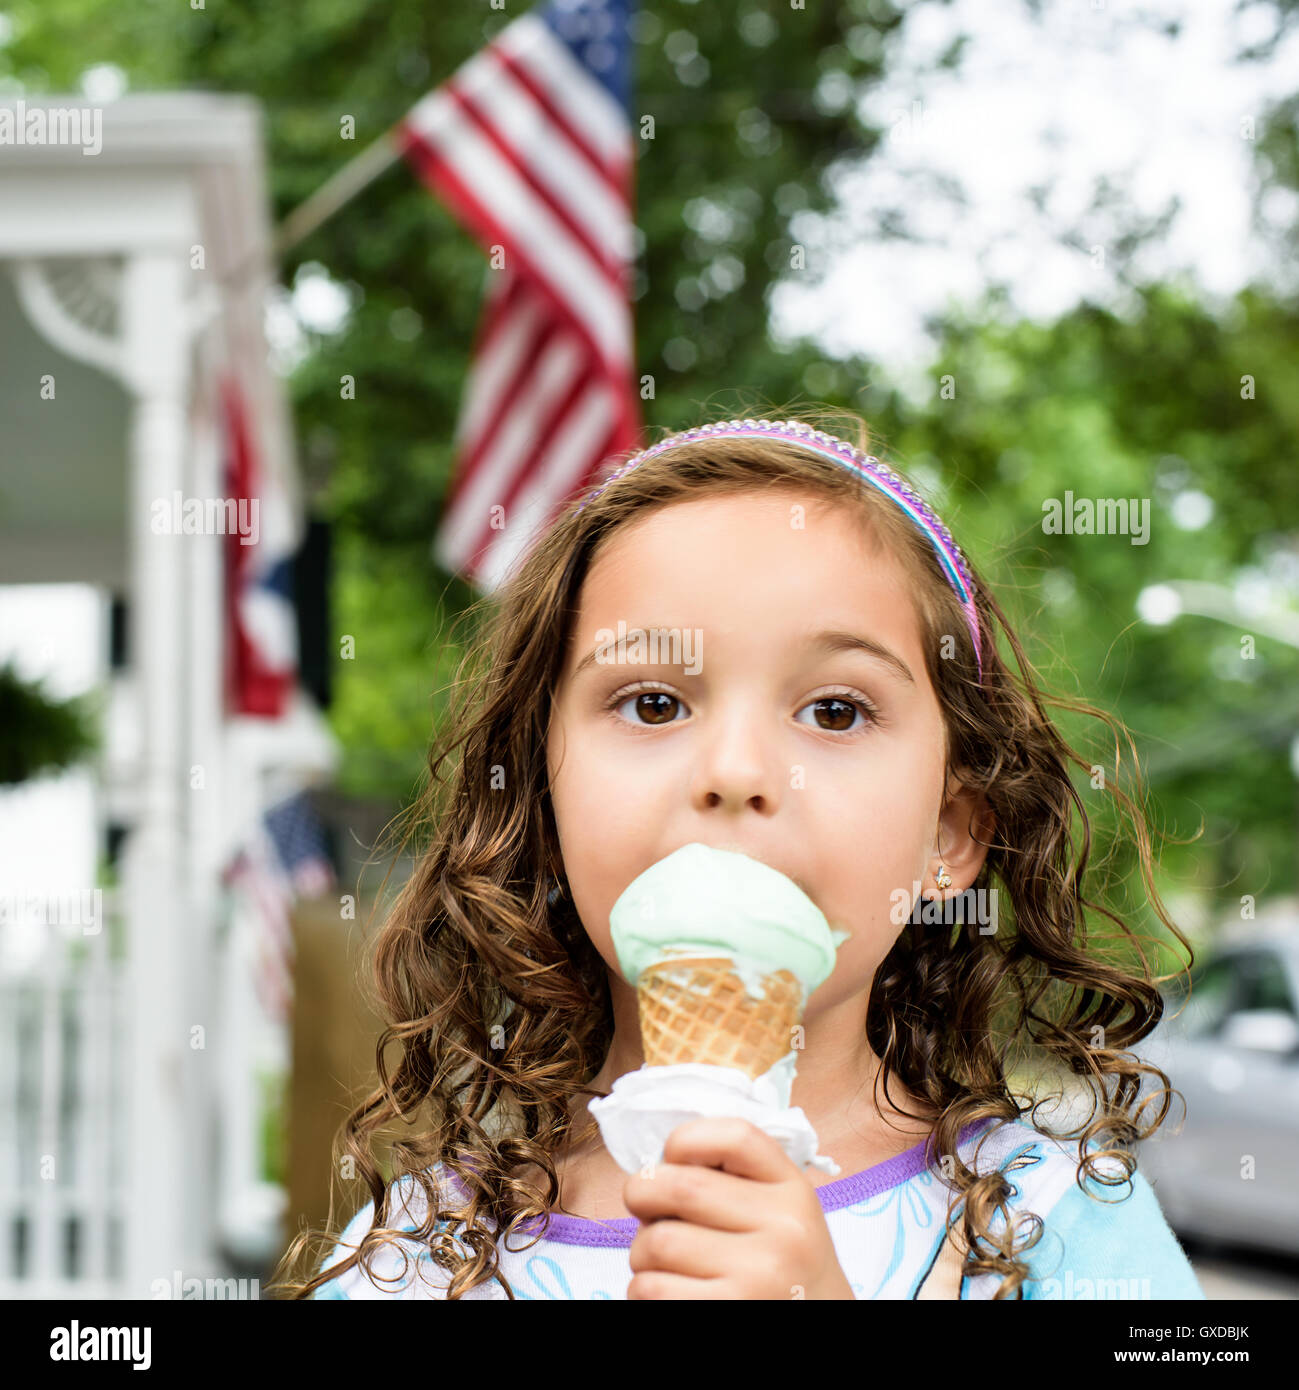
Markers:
(1088, 93)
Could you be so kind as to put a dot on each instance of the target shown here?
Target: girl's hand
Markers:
(755, 1229)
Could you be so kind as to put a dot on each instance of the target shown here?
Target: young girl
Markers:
(826, 695)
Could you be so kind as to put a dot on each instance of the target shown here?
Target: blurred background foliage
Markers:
(41, 734)
(749, 116)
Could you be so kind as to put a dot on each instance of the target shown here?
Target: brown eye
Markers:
(653, 707)
(838, 713)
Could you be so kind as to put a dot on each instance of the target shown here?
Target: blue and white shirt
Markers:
(887, 1224)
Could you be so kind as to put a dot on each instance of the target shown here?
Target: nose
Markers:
(736, 768)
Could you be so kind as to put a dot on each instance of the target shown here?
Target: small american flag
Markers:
(285, 858)
(299, 840)
(529, 143)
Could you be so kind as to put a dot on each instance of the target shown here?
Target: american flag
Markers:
(262, 633)
(529, 143)
(284, 858)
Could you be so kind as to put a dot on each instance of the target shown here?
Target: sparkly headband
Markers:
(955, 570)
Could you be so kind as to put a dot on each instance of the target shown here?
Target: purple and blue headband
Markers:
(955, 570)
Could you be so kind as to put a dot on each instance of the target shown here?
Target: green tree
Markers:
(1169, 401)
(38, 734)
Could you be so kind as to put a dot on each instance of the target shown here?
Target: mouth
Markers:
(763, 859)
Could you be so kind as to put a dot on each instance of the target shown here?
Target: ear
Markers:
(964, 832)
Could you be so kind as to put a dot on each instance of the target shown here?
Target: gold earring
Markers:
(944, 879)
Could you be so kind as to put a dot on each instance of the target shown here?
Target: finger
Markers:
(657, 1284)
(681, 1247)
(690, 1192)
(732, 1144)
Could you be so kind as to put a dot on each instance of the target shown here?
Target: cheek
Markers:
(600, 836)
(870, 862)
(912, 799)
(875, 835)
(593, 811)
(858, 959)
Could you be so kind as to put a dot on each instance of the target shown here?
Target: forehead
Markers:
(776, 560)
(788, 535)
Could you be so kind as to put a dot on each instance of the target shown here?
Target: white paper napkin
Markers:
(645, 1106)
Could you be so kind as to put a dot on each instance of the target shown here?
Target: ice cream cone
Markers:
(697, 1009)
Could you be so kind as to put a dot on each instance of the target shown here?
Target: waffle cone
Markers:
(697, 1010)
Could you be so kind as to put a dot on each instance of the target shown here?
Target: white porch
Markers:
(128, 279)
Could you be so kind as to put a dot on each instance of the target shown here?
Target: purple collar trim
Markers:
(842, 1192)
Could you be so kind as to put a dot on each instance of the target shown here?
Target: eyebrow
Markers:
(832, 640)
(837, 641)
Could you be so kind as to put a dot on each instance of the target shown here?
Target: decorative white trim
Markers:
(51, 309)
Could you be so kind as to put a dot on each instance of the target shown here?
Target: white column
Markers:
(159, 1016)
(205, 634)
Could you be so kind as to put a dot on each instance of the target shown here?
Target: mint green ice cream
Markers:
(700, 901)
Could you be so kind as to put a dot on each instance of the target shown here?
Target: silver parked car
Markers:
(1230, 1171)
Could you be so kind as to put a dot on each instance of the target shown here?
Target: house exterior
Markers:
(134, 267)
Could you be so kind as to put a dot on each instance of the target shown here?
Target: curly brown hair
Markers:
(474, 937)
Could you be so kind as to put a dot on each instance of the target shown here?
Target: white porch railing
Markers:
(62, 1117)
